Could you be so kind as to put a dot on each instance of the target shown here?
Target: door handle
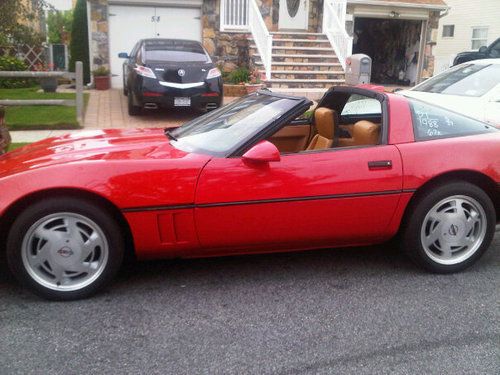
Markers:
(380, 164)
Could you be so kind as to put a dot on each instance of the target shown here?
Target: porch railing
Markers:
(234, 14)
(261, 36)
(334, 28)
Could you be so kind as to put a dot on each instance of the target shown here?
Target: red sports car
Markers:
(253, 176)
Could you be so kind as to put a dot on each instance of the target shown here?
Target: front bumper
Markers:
(207, 94)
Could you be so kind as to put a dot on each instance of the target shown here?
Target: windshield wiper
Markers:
(170, 135)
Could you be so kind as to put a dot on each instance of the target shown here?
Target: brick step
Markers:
(318, 43)
(301, 66)
(302, 50)
(301, 76)
(300, 40)
(303, 83)
(306, 57)
(297, 35)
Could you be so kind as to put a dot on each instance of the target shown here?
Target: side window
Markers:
(361, 105)
(495, 50)
(430, 122)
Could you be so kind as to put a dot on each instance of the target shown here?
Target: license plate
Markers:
(182, 102)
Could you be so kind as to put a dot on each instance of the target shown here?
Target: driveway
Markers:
(343, 311)
(108, 109)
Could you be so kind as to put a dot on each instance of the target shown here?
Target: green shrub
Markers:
(10, 63)
(79, 47)
(239, 75)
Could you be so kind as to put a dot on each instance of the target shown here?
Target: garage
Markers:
(129, 23)
(394, 46)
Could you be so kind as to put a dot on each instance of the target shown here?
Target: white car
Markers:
(471, 88)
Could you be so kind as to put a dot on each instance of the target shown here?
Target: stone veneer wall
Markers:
(229, 49)
(429, 59)
(99, 34)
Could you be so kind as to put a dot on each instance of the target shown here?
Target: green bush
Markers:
(10, 63)
(239, 75)
(79, 47)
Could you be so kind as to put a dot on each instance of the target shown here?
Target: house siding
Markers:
(465, 15)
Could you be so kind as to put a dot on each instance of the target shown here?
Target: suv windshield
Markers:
(222, 131)
(175, 51)
(431, 122)
(469, 80)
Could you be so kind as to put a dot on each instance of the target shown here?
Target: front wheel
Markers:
(65, 248)
(448, 229)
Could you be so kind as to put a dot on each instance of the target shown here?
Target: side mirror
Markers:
(123, 55)
(483, 49)
(262, 152)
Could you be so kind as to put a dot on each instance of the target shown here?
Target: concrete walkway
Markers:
(108, 109)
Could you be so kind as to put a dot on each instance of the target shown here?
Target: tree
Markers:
(79, 47)
(17, 19)
(59, 24)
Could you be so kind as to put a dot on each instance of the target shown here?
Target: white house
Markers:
(467, 26)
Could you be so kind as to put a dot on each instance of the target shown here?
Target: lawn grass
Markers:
(13, 146)
(39, 117)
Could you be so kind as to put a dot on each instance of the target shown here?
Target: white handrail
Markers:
(261, 36)
(334, 28)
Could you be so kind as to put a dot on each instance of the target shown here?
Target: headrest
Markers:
(365, 133)
(324, 119)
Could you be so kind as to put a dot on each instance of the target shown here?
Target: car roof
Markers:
(482, 62)
(169, 40)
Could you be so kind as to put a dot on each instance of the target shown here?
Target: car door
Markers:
(309, 199)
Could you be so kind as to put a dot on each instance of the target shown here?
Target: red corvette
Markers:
(254, 176)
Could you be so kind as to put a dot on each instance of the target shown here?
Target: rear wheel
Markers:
(450, 227)
(64, 249)
(133, 110)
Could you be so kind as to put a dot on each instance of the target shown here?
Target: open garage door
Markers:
(128, 24)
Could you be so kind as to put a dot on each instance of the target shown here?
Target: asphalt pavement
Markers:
(341, 311)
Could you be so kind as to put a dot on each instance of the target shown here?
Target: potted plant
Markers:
(48, 84)
(255, 82)
(101, 78)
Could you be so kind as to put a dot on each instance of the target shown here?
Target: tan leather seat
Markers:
(324, 119)
(362, 133)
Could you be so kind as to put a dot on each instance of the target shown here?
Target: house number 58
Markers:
(155, 19)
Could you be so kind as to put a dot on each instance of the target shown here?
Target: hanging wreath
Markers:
(292, 7)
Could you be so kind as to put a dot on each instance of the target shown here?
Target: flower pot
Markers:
(102, 82)
(49, 84)
(252, 87)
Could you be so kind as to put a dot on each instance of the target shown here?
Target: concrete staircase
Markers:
(301, 62)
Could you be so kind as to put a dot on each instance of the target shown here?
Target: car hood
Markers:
(95, 145)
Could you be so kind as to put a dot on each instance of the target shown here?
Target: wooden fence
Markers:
(77, 76)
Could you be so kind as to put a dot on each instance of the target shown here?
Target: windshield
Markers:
(174, 51)
(222, 131)
(470, 80)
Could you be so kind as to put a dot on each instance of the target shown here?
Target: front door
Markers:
(294, 14)
(305, 200)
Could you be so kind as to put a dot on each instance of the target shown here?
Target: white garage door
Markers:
(128, 24)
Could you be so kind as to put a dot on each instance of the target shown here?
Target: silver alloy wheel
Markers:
(453, 230)
(65, 251)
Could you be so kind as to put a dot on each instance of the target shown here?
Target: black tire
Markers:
(107, 258)
(133, 110)
(125, 90)
(417, 225)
